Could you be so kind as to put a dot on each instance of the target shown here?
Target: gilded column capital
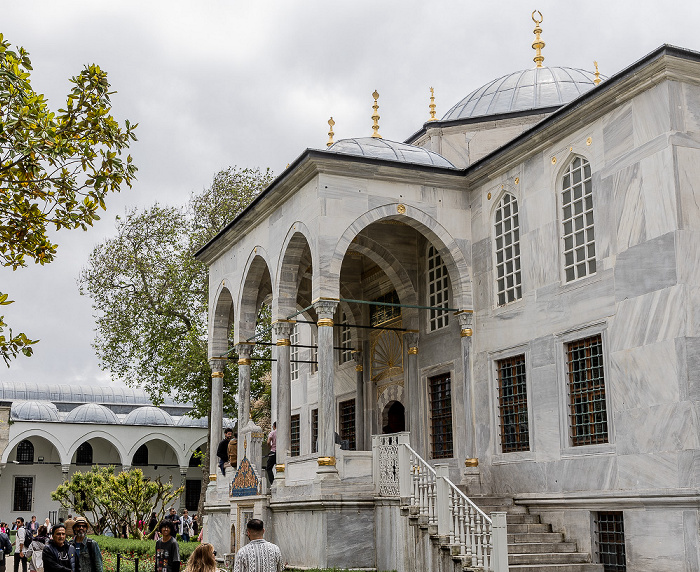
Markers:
(217, 367)
(411, 339)
(466, 320)
(244, 351)
(325, 310)
(282, 329)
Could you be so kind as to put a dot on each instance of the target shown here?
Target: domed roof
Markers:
(148, 416)
(525, 90)
(33, 411)
(390, 150)
(92, 413)
(186, 421)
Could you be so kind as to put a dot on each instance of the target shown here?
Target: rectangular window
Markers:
(610, 541)
(345, 341)
(295, 435)
(588, 414)
(24, 489)
(438, 290)
(294, 354)
(193, 488)
(314, 430)
(441, 416)
(381, 314)
(512, 404)
(347, 423)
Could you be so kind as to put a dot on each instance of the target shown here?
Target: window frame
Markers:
(294, 365)
(314, 430)
(500, 405)
(352, 438)
(295, 437)
(25, 461)
(430, 320)
(344, 341)
(516, 259)
(82, 450)
(32, 480)
(431, 442)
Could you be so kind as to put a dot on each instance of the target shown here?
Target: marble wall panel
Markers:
(690, 107)
(653, 471)
(688, 173)
(646, 267)
(659, 188)
(688, 271)
(540, 257)
(672, 427)
(647, 319)
(537, 208)
(533, 173)
(650, 112)
(301, 550)
(574, 524)
(518, 477)
(691, 351)
(644, 376)
(691, 525)
(629, 213)
(350, 542)
(544, 404)
(689, 469)
(654, 540)
(618, 132)
(584, 473)
(542, 351)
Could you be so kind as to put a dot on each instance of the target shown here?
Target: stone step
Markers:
(549, 558)
(541, 547)
(539, 527)
(535, 537)
(582, 567)
(523, 519)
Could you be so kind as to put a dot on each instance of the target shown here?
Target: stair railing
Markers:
(423, 485)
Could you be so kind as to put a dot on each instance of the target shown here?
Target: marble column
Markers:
(217, 413)
(359, 401)
(325, 310)
(410, 387)
(471, 478)
(244, 350)
(283, 329)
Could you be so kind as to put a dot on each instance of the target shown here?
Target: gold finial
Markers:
(538, 44)
(597, 79)
(331, 123)
(432, 105)
(375, 116)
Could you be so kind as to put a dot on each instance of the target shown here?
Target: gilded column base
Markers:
(471, 462)
(326, 461)
(279, 468)
(212, 477)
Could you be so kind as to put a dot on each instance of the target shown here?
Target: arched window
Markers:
(438, 290)
(577, 220)
(507, 228)
(83, 456)
(140, 457)
(25, 452)
(195, 459)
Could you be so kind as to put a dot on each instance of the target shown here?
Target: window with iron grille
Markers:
(578, 232)
(24, 489)
(193, 489)
(25, 452)
(83, 456)
(588, 412)
(512, 404)
(347, 423)
(313, 366)
(441, 416)
(294, 354)
(295, 435)
(314, 430)
(438, 290)
(507, 245)
(610, 541)
(345, 341)
(140, 457)
(381, 314)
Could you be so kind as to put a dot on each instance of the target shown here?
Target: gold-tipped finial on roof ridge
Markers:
(331, 123)
(432, 105)
(538, 44)
(375, 116)
(597, 79)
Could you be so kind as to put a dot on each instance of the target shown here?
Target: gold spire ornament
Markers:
(432, 105)
(375, 116)
(331, 123)
(538, 44)
(597, 79)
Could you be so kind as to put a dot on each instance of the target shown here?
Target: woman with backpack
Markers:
(34, 552)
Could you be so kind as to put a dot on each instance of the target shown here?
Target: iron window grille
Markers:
(193, 489)
(588, 412)
(512, 403)
(140, 457)
(438, 290)
(610, 541)
(24, 489)
(345, 341)
(381, 314)
(440, 388)
(577, 220)
(83, 456)
(294, 432)
(25, 452)
(347, 423)
(314, 430)
(507, 228)
(294, 354)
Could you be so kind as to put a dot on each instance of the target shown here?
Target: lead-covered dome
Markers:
(389, 150)
(92, 413)
(33, 411)
(536, 88)
(148, 416)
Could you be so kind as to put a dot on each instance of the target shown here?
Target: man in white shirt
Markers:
(258, 555)
(20, 545)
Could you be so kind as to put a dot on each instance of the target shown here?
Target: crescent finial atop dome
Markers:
(538, 44)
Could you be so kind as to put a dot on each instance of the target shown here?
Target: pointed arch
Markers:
(256, 285)
(222, 320)
(289, 270)
(97, 434)
(36, 432)
(182, 458)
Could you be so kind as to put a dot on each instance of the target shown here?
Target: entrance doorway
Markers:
(393, 418)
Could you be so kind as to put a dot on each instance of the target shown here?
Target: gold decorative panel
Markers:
(386, 354)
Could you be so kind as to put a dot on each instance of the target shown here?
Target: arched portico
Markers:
(36, 433)
(178, 455)
(107, 449)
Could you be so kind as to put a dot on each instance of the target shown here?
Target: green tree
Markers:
(116, 500)
(56, 168)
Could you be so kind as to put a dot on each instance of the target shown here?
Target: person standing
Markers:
(258, 555)
(232, 452)
(186, 526)
(5, 549)
(272, 457)
(33, 527)
(35, 552)
(167, 549)
(202, 559)
(222, 449)
(58, 555)
(20, 545)
(87, 552)
(175, 519)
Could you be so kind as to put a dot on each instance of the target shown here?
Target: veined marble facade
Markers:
(612, 306)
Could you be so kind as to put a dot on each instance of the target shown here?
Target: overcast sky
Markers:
(216, 83)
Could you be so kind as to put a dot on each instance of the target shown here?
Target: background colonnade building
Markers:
(554, 217)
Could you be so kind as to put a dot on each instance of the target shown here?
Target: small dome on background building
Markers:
(525, 90)
(377, 148)
(148, 416)
(33, 411)
(186, 421)
(92, 413)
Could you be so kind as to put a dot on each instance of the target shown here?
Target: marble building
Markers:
(514, 286)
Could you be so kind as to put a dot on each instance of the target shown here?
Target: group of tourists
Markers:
(227, 451)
